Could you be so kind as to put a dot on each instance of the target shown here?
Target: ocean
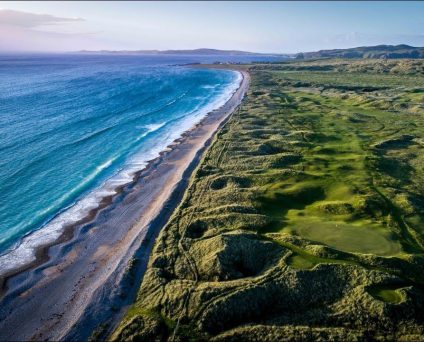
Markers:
(74, 127)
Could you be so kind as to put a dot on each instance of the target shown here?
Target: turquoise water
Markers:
(74, 127)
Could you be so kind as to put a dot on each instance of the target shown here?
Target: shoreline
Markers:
(86, 270)
(38, 253)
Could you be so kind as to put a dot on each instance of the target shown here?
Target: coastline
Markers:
(31, 249)
(86, 270)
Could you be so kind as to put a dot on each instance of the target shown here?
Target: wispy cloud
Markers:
(24, 31)
(31, 20)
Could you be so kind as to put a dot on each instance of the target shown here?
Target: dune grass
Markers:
(307, 210)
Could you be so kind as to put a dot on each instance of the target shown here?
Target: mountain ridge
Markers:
(201, 51)
(376, 51)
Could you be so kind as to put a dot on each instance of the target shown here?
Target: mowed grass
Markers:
(387, 293)
(357, 186)
(334, 202)
(328, 213)
(361, 236)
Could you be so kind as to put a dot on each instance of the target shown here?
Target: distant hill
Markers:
(200, 52)
(378, 51)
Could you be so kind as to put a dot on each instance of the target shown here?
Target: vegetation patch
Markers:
(387, 293)
(304, 221)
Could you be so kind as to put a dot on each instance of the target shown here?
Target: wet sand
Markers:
(85, 280)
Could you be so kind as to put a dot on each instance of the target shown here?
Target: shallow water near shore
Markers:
(74, 128)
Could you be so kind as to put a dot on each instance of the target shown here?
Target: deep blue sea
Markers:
(72, 127)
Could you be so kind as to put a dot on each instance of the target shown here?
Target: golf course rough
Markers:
(305, 218)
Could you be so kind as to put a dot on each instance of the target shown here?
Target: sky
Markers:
(258, 26)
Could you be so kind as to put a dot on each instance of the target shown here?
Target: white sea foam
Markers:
(24, 252)
(210, 86)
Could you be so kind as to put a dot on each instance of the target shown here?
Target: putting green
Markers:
(386, 293)
(362, 236)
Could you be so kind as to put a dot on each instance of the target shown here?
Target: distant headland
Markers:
(200, 52)
(377, 51)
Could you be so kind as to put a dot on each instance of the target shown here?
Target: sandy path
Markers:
(84, 284)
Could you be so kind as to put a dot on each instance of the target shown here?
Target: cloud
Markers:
(23, 31)
(31, 20)
(26, 32)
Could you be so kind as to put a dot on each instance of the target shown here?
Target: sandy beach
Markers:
(85, 279)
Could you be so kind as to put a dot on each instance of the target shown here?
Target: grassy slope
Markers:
(305, 219)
